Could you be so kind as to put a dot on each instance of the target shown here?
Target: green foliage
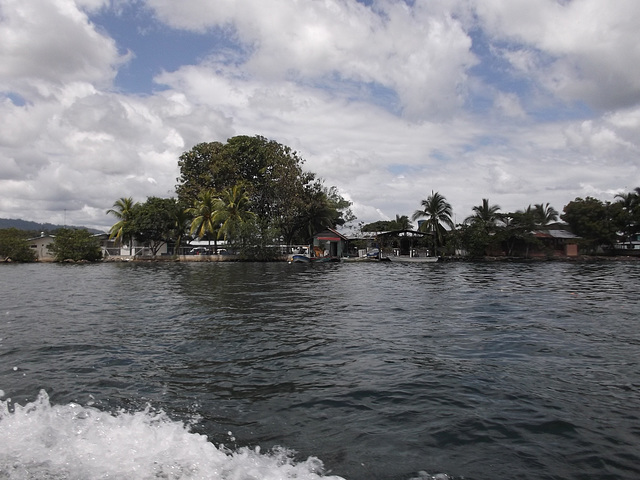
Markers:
(591, 219)
(75, 245)
(627, 213)
(280, 193)
(123, 209)
(400, 223)
(154, 221)
(438, 213)
(379, 226)
(203, 212)
(516, 234)
(14, 246)
(485, 215)
(255, 244)
(201, 169)
(232, 211)
(475, 239)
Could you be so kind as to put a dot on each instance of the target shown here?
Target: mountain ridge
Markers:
(30, 226)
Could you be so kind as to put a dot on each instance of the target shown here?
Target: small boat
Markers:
(300, 258)
(408, 259)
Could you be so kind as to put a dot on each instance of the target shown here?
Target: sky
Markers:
(518, 101)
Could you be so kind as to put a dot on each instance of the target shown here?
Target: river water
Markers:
(251, 371)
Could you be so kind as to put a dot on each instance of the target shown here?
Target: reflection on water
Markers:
(381, 371)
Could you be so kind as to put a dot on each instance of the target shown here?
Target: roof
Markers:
(330, 235)
(405, 233)
(554, 234)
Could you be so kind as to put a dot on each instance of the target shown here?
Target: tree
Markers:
(76, 245)
(545, 214)
(592, 220)
(232, 211)
(438, 213)
(203, 213)
(181, 223)
(379, 226)
(153, 222)
(485, 215)
(401, 223)
(517, 232)
(199, 171)
(281, 194)
(14, 246)
(123, 211)
(628, 220)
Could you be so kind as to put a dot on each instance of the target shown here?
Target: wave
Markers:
(45, 441)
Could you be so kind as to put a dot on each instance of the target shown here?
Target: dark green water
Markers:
(481, 371)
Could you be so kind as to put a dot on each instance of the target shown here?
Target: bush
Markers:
(14, 246)
(75, 245)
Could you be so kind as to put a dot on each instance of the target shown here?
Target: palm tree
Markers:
(232, 210)
(181, 221)
(402, 222)
(485, 214)
(438, 213)
(545, 214)
(123, 211)
(203, 213)
(630, 204)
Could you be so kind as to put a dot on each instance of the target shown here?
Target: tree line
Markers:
(488, 230)
(254, 193)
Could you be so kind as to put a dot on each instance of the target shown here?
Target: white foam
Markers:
(40, 440)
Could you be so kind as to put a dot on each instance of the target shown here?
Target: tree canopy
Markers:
(154, 222)
(283, 197)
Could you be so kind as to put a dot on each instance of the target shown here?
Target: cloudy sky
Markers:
(518, 101)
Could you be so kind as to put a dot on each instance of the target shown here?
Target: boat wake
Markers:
(44, 441)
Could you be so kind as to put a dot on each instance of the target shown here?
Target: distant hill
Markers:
(37, 227)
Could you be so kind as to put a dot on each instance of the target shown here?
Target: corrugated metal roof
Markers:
(555, 234)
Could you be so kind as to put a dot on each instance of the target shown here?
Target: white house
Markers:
(40, 245)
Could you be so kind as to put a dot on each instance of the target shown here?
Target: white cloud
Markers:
(48, 43)
(584, 51)
(421, 53)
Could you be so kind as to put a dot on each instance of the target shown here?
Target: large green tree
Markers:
(281, 194)
(593, 220)
(437, 212)
(153, 222)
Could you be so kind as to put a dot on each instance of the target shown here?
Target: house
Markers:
(329, 243)
(394, 242)
(40, 245)
(557, 243)
(630, 246)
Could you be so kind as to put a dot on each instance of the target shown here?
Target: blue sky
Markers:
(520, 102)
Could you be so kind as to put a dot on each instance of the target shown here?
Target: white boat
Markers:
(409, 259)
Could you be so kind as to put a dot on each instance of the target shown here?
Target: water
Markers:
(358, 371)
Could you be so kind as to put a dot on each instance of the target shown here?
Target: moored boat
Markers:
(408, 259)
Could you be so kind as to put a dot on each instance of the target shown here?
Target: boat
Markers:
(409, 259)
(301, 258)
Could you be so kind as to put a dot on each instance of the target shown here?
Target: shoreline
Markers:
(234, 258)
